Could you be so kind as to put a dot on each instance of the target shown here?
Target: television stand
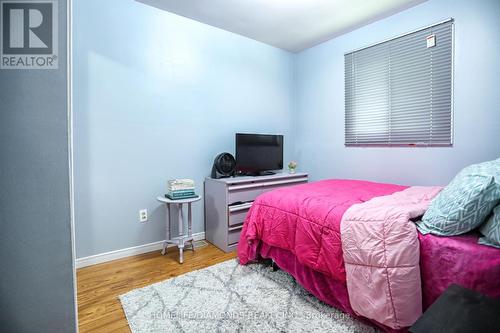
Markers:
(227, 201)
(266, 173)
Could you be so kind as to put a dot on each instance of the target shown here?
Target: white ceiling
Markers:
(292, 25)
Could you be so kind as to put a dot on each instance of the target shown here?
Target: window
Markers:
(399, 92)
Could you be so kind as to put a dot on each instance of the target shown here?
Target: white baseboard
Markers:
(131, 251)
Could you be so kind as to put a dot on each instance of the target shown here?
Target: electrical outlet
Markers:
(143, 215)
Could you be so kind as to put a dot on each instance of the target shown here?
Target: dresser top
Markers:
(249, 179)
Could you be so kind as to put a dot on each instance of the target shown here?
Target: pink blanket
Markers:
(283, 223)
(460, 260)
(305, 220)
(381, 254)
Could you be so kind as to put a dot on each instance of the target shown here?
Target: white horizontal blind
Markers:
(399, 92)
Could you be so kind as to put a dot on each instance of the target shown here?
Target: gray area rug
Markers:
(229, 297)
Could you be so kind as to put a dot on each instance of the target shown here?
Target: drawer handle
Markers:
(264, 184)
(237, 208)
(291, 181)
(235, 228)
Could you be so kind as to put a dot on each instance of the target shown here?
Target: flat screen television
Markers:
(258, 154)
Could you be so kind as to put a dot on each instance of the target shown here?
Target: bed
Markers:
(311, 230)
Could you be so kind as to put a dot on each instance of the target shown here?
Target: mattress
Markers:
(299, 227)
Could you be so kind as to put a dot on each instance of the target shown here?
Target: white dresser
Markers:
(227, 201)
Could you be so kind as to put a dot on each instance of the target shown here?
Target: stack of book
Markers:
(180, 189)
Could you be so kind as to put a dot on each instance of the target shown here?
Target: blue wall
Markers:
(157, 96)
(319, 118)
(36, 279)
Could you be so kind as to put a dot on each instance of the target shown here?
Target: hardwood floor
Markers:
(99, 309)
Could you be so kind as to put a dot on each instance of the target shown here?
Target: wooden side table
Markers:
(182, 239)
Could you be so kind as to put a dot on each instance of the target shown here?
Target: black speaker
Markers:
(224, 166)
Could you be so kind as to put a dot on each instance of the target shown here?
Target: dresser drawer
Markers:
(237, 217)
(274, 187)
(243, 195)
(233, 235)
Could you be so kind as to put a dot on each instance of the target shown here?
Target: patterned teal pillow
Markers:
(491, 229)
(465, 203)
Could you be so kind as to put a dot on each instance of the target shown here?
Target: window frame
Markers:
(452, 97)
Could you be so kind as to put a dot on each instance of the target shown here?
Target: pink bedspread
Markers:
(381, 253)
(472, 265)
(305, 220)
(302, 225)
(460, 260)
